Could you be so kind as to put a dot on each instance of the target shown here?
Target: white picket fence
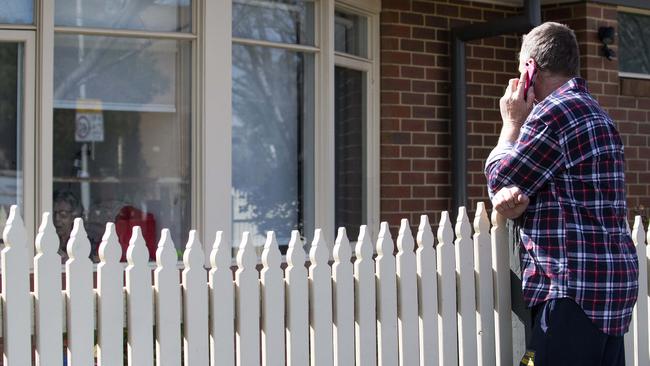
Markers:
(445, 303)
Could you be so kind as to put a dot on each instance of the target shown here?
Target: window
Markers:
(299, 156)
(122, 121)
(273, 118)
(634, 55)
(16, 12)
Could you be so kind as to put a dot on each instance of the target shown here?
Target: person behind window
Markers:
(67, 207)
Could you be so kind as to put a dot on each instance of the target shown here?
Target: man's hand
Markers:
(510, 202)
(514, 108)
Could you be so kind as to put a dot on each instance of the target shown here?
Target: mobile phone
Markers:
(531, 74)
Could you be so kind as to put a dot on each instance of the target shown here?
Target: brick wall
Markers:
(415, 100)
(415, 103)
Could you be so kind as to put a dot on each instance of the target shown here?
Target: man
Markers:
(558, 169)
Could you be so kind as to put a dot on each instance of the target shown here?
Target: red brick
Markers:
(424, 33)
(389, 97)
(413, 125)
(389, 178)
(437, 47)
(412, 178)
(437, 99)
(395, 84)
(395, 138)
(447, 10)
(424, 112)
(389, 17)
(396, 4)
(436, 22)
(389, 71)
(424, 138)
(412, 151)
(412, 205)
(395, 165)
(413, 72)
(423, 86)
(389, 44)
(471, 13)
(389, 205)
(395, 57)
(411, 18)
(423, 60)
(438, 178)
(389, 124)
(395, 111)
(394, 30)
(400, 191)
(424, 191)
(412, 99)
(423, 7)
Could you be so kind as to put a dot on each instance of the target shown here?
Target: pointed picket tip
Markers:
(193, 256)
(14, 233)
(319, 253)
(384, 244)
(445, 231)
(295, 253)
(47, 241)
(246, 256)
(638, 233)
(110, 249)
(498, 220)
(342, 249)
(166, 251)
(405, 237)
(137, 251)
(271, 256)
(463, 227)
(220, 256)
(363, 249)
(425, 234)
(78, 245)
(481, 221)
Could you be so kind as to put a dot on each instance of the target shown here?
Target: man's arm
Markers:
(528, 154)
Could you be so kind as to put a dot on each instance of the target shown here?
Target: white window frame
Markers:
(216, 41)
(28, 86)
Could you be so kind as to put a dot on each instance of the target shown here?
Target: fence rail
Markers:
(440, 300)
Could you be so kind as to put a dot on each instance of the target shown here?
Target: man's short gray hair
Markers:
(554, 48)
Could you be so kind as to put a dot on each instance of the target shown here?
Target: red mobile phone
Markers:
(531, 74)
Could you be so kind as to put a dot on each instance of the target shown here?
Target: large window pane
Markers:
(156, 15)
(11, 91)
(283, 21)
(17, 11)
(122, 132)
(350, 33)
(350, 142)
(271, 140)
(634, 33)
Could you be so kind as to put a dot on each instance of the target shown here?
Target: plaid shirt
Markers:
(575, 240)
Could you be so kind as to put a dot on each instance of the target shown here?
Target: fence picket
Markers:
(47, 293)
(447, 292)
(502, 306)
(297, 303)
(343, 298)
(386, 273)
(272, 283)
(195, 303)
(139, 300)
(167, 299)
(407, 292)
(484, 287)
(110, 300)
(222, 304)
(640, 315)
(16, 302)
(248, 304)
(467, 292)
(427, 293)
(80, 297)
(365, 330)
(320, 303)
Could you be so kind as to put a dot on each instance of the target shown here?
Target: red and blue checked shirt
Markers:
(575, 241)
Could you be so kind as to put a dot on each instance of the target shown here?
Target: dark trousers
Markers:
(563, 335)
